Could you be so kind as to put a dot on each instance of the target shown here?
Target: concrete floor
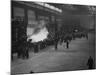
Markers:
(49, 60)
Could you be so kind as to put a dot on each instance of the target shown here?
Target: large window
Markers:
(31, 22)
(18, 13)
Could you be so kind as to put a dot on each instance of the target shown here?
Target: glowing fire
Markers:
(41, 35)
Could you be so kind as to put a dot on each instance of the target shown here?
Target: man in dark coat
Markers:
(90, 63)
(67, 42)
(36, 47)
(56, 43)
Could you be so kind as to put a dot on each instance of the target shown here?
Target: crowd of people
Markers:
(24, 46)
(67, 38)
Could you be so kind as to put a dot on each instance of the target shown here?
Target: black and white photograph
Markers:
(52, 37)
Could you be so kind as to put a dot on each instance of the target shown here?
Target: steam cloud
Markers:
(39, 33)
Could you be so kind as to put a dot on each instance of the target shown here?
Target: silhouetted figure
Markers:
(24, 47)
(31, 72)
(26, 53)
(90, 63)
(87, 36)
(36, 48)
(27, 48)
(56, 43)
(67, 41)
(19, 51)
(67, 44)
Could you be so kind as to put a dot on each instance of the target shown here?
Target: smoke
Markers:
(40, 36)
(39, 33)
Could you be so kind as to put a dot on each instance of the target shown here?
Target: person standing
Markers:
(67, 42)
(56, 43)
(90, 63)
(36, 47)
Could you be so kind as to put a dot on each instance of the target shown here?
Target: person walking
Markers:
(66, 40)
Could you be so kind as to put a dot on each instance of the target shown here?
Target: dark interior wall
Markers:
(22, 10)
(87, 21)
